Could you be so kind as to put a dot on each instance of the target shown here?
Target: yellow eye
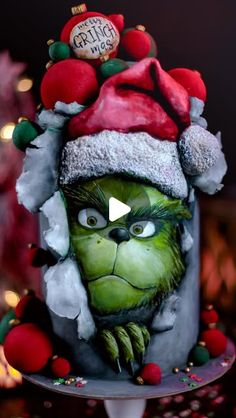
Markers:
(143, 229)
(91, 218)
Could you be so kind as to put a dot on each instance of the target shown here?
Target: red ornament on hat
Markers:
(191, 80)
(142, 98)
(91, 35)
(68, 81)
(118, 20)
(27, 348)
(138, 44)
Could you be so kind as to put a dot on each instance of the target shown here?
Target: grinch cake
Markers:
(121, 292)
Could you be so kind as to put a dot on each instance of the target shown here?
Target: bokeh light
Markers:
(25, 84)
(11, 298)
(6, 132)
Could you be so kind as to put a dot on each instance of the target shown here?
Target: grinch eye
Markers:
(143, 229)
(91, 218)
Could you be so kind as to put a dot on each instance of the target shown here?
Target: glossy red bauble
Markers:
(216, 341)
(27, 348)
(60, 367)
(151, 374)
(68, 81)
(191, 80)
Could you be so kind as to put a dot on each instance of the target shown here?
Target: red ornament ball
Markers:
(209, 317)
(91, 35)
(136, 43)
(215, 340)
(76, 20)
(191, 80)
(60, 367)
(68, 81)
(118, 21)
(27, 348)
(150, 374)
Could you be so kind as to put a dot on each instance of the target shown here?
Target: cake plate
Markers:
(124, 399)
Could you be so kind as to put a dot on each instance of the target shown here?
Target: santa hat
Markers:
(144, 125)
(140, 126)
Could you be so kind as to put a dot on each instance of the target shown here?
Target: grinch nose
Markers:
(119, 234)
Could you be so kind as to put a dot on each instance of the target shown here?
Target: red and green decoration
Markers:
(28, 344)
(212, 341)
(91, 34)
(90, 40)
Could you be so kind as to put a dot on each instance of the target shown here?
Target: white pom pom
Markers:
(199, 150)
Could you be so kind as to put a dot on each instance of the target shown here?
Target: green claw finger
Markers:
(136, 337)
(146, 335)
(124, 343)
(110, 345)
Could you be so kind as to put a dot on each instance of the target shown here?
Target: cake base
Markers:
(171, 385)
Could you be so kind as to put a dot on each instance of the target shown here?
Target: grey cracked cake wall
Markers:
(169, 348)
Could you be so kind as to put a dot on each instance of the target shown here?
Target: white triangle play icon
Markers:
(117, 209)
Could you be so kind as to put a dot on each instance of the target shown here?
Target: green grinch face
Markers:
(129, 262)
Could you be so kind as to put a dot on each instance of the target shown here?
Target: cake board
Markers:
(127, 400)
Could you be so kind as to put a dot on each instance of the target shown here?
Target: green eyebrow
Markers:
(170, 210)
(86, 198)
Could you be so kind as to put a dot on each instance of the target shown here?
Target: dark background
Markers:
(198, 34)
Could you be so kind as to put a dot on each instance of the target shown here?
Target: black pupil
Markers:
(138, 229)
(92, 221)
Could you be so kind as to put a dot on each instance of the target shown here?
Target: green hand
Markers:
(128, 342)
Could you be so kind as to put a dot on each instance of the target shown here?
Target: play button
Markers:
(117, 209)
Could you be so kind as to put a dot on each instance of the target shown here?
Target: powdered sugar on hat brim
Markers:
(138, 155)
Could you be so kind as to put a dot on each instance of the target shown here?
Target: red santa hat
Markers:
(143, 98)
(135, 128)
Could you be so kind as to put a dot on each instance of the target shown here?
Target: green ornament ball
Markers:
(24, 133)
(199, 355)
(113, 66)
(5, 327)
(59, 51)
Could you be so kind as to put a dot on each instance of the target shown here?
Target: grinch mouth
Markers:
(120, 279)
